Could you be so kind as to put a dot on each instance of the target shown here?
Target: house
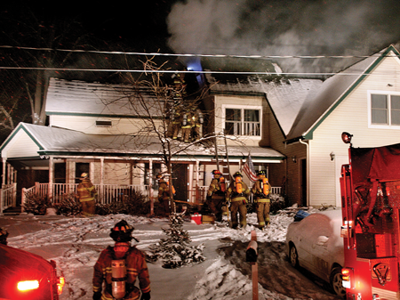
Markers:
(304, 118)
(103, 130)
(292, 127)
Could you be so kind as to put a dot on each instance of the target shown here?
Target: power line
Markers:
(190, 54)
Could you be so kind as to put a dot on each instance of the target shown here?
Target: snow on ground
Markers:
(75, 244)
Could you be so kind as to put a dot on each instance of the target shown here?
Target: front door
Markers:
(180, 181)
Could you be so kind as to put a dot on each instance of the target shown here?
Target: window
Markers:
(385, 109)
(240, 121)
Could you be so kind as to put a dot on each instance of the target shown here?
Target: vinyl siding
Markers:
(22, 146)
(351, 116)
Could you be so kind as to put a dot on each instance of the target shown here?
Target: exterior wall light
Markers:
(346, 137)
(332, 155)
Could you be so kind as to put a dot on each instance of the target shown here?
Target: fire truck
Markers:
(370, 195)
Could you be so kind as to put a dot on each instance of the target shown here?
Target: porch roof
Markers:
(62, 142)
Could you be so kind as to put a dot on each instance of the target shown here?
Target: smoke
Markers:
(285, 27)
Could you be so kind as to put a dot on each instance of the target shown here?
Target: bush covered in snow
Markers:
(36, 204)
(174, 251)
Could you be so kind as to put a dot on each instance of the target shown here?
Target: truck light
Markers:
(375, 297)
(28, 285)
(346, 137)
(347, 275)
(60, 284)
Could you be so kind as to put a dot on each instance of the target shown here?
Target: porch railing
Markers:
(8, 197)
(109, 193)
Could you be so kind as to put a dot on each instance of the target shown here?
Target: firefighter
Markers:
(119, 266)
(261, 191)
(197, 124)
(86, 193)
(164, 195)
(3, 236)
(186, 126)
(216, 194)
(176, 119)
(237, 194)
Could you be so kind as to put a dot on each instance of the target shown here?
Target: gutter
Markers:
(308, 173)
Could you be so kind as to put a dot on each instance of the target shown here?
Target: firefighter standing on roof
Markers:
(237, 194)
(216, 194)
(164, 194)
(86, 192)
(119, 266)
(261, 191)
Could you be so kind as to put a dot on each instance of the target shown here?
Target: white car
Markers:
(314, 243)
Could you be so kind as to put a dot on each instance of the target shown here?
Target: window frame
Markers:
(243, 108)
(389, 115)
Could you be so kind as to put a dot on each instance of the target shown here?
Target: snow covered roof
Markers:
(318, 106)
(59, 141)
(85, 98)
(285, 97)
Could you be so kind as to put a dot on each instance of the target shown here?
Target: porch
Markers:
(107, 193)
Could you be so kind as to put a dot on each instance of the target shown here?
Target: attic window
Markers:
(104, 123)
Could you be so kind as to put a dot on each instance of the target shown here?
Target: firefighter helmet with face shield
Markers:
(121, 232)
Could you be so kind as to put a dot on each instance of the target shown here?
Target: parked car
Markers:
(314, 243)
(24, 275)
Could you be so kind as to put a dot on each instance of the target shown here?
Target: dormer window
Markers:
(104, 123)
(243, 121)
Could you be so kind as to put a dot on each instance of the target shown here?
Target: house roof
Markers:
(66, 97)
(285, 96)
(64, 142)
(332, 92)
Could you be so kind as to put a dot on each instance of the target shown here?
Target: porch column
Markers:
(190, 183)
(101, 179)
(151, 186)
(3, 181)
(51, 177)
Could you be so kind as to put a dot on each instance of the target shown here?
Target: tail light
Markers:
(27, 285)
(60, 284)
(347, 278)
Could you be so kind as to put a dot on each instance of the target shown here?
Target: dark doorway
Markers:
(303, 178)
(180, 181)
(59, 173)
(79, 169)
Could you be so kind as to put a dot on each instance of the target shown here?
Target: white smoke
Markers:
(285, 27)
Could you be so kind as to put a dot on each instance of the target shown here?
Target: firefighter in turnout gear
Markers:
(118, 267)
(86, 195)
(237, 194)
(261, 191)
(164, 194)
(3, 236)
(216, 194)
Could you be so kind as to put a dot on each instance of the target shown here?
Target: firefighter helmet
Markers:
(122, 232)
(216, 172)
(84, 175)
(237, 174)
(261, 172)
(3, 236)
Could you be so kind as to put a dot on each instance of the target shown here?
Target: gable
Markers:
(20, 144)
(332, 92)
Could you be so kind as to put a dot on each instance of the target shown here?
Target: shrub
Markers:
(69, 205)
(37, 204)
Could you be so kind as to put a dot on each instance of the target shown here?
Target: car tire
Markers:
(293, 256)
(336, 282)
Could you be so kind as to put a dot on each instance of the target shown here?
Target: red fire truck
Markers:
(370, 194)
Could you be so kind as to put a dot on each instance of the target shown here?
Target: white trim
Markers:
(387, 93)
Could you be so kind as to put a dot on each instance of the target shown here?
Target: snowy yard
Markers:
(75, 244)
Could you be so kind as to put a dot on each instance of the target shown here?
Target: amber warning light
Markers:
(347, 278)
(28, 285)
(60, 284)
